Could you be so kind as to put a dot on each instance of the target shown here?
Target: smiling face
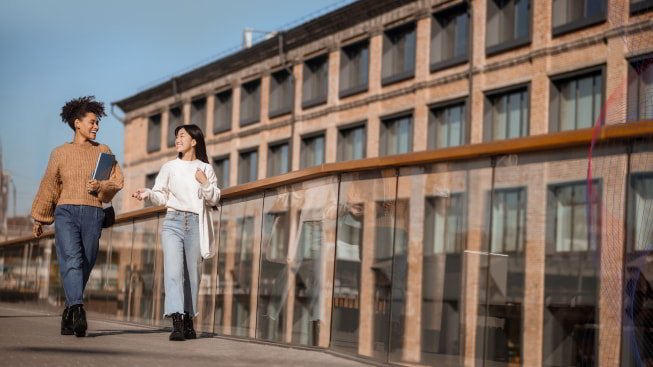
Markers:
(184, 143)
(88, 126)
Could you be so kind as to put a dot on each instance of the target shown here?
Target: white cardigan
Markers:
(176, 188)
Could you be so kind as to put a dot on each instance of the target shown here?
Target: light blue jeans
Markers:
(182, 262)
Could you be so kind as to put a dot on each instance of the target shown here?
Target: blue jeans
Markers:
(182, 261)
(77, 237)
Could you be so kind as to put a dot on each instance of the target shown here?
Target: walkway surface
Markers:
(29, 337)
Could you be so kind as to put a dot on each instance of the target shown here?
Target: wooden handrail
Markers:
(527, 144)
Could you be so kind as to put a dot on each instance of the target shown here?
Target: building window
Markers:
(506, 114)
(221, 169)
(442, 271)
(508, 25)
(640, 89)
(572, 275)
(568, 217)
(316, 81)
(312, 151)
(640, 205)
(351, 143)
(576, 100)
(150, 179)
(154, 133)
(447, 125)
(571, 15)
(198, 113)
(250, 102)
(640, 6)
(444, 232)
(248, 167)
(638, 292)
(175, 119)
(396, 134)
(222, 109)
(281, 88)
(449, 37)
(398, 54)
(508, 231)
(278, 159)
(354, 68)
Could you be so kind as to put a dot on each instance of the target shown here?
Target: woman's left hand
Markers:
(200, 177)
(92, 185)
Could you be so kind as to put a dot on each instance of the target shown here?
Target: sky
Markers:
(54, 51)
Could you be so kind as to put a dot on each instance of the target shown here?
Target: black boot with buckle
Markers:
(177, 327)
(189, 331)
(67, 321)
(79, 320)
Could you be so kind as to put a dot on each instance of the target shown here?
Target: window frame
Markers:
(283, 110)
(490, 199)
(171, 130)
(404, 75)
(394, 117)
(551, 222)
(640, 8)
(224, 157)
(216, 127)
(575, 25)
(243, 87)
(446, 104)
(554, 106)
(350, 127)
(240, 160)
(319, 100)
(153, 145)
(342, 93)
(276, 144)
(303, 138)
(629, 106)
(487, 108)
(193, 107)
(513, 43)
(456, 60)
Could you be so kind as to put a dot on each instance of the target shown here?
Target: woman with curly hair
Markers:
(187, 186)
(72, 200)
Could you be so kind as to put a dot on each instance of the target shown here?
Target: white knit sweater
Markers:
(176, 188)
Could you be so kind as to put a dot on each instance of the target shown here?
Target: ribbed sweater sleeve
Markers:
(49, 191)
(158, 195)
(110, 187)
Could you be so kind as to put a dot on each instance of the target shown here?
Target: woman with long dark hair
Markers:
(69, 195)
(187, 186)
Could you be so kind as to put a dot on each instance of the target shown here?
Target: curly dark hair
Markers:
(78, 107)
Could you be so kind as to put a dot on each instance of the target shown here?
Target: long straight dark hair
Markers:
(195, 133)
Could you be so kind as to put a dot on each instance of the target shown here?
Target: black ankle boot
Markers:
(79, 320)
(189, 331)
(67, 321)
(177, 327)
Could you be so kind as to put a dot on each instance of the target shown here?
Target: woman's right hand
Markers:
(37, 229)
(140, 194)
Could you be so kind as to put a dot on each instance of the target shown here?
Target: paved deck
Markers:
(30, 337)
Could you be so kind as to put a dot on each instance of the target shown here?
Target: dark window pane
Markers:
(223, 109)
(351, 143)
(250, 102)
(175, 119)
(154, 133)
(198, 113)
(316, 79)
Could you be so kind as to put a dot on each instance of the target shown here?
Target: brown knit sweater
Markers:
(64, 182)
